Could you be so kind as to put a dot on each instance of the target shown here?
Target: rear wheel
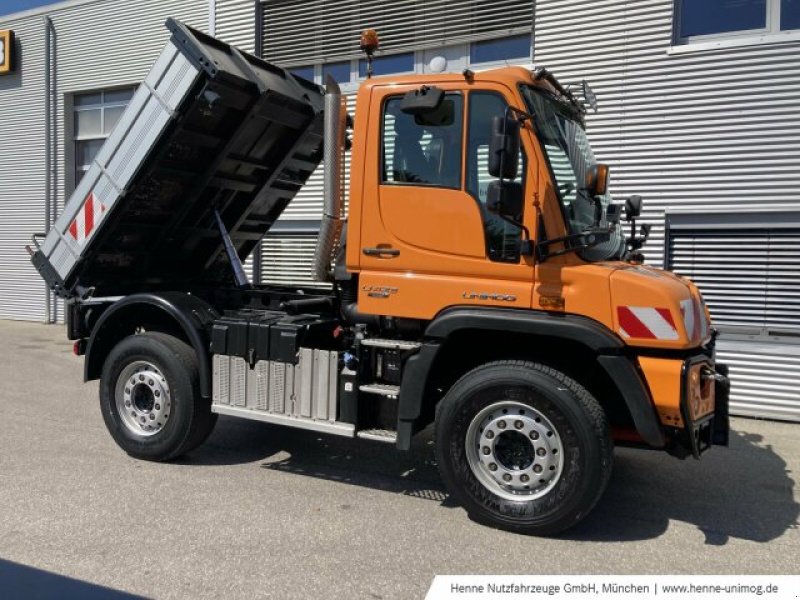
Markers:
(150, 397)
(523, 447)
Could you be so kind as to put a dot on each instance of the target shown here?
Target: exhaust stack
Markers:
(333, 184)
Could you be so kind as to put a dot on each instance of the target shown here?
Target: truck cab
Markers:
(479, 281)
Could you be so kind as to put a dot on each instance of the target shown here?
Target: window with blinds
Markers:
(300, 32)
(747, 271)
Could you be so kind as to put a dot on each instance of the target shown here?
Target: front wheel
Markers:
(150, 397)
(523, 447)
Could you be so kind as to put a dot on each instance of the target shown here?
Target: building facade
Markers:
(698, 106)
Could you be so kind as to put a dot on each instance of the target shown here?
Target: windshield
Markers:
(564, 141)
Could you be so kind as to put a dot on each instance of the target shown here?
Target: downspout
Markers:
(49, 34)
(258, 45)
(212, 18)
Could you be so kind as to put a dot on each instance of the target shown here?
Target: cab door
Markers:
(427, 240)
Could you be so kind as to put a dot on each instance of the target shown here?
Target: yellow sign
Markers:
(6, 51)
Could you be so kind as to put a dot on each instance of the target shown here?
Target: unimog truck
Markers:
(477, 280)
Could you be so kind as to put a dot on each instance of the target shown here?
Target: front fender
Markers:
(598, 339)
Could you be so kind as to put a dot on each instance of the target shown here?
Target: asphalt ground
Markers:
(264, 511)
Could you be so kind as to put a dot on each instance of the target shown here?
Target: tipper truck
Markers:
(478, 280)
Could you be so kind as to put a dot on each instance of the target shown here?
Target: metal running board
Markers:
(382, 389)
(378, 435)
(391, 344)
(334, 427)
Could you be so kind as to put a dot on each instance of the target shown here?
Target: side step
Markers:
(391, 344)
(378, 435)
(333, 427)
(382, 389)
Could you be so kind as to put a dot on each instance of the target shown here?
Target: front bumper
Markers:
(691, 399)
(701, 431)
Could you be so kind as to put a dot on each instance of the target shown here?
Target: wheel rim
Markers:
(514, 451)
(143, 398)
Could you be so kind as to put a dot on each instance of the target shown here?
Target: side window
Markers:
(502, 238)
(423, 149)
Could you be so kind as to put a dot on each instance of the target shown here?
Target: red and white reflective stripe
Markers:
(646, 322)
(87, 218)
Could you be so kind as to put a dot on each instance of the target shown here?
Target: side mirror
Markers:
(504, 148)
(633, 207)
(597, 180)
(504, 198)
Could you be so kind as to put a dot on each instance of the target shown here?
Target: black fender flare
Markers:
(192, 314)
(608, 347)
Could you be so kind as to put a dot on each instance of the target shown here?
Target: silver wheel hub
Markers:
(143, 398)
(514, 451)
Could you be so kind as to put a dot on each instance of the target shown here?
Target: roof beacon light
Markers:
(369, 43)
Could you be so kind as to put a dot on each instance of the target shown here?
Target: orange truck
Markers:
(478, 280)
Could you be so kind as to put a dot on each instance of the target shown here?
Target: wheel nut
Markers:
(519, 424)
(501, 424)
(127, 403)
(142, 419)
(541, 451)
(133, 413)
(150, 382)
(156, 393)
(506, 477)
(492, 467)
(152, 417)
(141, 377)
(537, 468)
(486, 450)
(524, 478)
(490, 434)
(534, 435)
(158, 407)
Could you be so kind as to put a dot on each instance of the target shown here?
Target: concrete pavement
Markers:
(261, 511)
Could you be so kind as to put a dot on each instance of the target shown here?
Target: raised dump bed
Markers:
(210, 128)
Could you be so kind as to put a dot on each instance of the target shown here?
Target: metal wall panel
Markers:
(99, 45)
(235, 23)
(765, 378)
(314, 31)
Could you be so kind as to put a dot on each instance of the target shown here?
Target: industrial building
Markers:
(698, 113)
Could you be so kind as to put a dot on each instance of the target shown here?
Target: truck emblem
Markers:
(378, 291)
(482, 296)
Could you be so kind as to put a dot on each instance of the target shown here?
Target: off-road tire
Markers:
(583, 432)
(190, 419)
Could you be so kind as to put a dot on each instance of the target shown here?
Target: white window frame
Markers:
(772, 28)
(102, 106)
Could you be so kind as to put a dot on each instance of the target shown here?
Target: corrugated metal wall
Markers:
(98, 45)
(22, 173)
(235, 23)
(696, 131)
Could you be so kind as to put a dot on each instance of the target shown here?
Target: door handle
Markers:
(381, 252)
